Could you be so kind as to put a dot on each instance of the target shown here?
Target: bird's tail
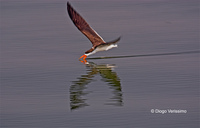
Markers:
(114, 41)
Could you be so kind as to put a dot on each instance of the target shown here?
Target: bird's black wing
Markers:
(84, 27)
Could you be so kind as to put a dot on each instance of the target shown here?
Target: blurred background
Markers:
(44, 85)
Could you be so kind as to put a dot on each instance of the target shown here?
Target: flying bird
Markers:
(97, 41)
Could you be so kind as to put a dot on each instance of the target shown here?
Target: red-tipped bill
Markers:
(83, 56)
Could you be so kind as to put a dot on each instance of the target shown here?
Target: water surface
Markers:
(156, 65)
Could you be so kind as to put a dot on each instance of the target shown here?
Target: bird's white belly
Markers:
(105, 48)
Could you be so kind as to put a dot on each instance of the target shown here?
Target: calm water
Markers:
(155, 67)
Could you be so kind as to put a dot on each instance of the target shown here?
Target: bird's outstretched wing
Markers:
(84, 27)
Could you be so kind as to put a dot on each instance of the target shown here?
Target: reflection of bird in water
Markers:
(97, 41)
(78, 88)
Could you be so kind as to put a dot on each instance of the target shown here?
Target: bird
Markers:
(98, 44)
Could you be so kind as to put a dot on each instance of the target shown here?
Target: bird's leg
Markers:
(83, 56)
